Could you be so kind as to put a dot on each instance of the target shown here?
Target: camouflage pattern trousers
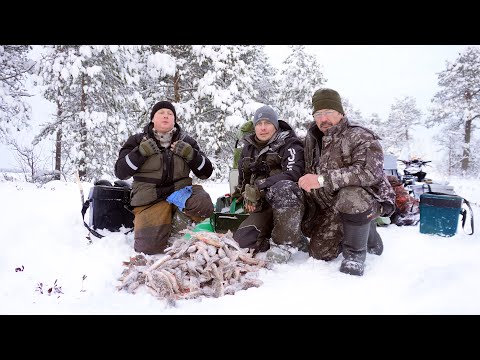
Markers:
(324, 227)
(153, 223)
(278, 219)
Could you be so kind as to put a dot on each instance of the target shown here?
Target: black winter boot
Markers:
(180, 222)
(355, 237)
(286, 199)
(286, 228)
(304, 244)
(375, 243)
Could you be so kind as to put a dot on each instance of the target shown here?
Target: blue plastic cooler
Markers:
(439, 214)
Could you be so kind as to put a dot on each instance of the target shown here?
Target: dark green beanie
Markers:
(327, 99)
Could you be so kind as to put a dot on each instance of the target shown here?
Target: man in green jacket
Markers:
(345, 186)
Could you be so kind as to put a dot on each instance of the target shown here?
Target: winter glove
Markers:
(237, 194)
(252, 196)
(148, 147)
(180, 197)
(184, 150)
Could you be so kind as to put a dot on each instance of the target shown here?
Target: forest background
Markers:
(98, 95)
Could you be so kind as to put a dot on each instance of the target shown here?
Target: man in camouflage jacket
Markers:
(345, 186)
(269, 167)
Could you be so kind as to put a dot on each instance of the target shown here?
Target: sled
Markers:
(227, 215)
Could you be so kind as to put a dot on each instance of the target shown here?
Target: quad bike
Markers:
(413, 172)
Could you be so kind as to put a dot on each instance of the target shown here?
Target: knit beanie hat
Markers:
(163, 105)
(266, 113)
(327, 99)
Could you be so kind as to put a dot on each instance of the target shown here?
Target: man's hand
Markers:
(237, 194)
(148, 147)
(309, 182)
(252, 198)
(183, 149)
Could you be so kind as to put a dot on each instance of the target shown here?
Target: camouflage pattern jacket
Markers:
(347, 155)
(156, 177)
(280, 159)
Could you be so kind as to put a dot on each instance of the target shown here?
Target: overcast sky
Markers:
(372, 76)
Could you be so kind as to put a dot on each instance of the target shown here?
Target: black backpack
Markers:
(109, 207)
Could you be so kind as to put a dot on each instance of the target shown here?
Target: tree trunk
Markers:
(176, 87)
(466, 147)
(58, 147)
(82, 165)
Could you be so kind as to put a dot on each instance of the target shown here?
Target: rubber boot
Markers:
(180, 222)
(279, 254)
(286, 228)
(375, 243)
(355, 237)
(304, 244)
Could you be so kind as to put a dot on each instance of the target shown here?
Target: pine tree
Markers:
(224, 89)
(14, 110)
(207, 85)
(458, 102)
(404, 115)
(264, 75)
(448, 139)
(376, 124)
(300, 77)
(93, 88)
(353, 114)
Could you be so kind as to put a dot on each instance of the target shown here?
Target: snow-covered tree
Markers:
(404, 115)
(225, 89)
(14, 68)
(94, 89)
(458, 101)
(447, 139)
(353, 114)
(300, 77)
(264, 75)
(207, 85)
(376, 124)
(159, 80)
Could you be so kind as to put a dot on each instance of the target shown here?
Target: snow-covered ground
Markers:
(44, 246)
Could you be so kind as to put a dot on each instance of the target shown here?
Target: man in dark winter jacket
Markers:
(269, 167)
(345, 186)
(160, 160)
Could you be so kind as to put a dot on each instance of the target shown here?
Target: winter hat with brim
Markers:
(327, 99)
(163, 105)
(266, 113)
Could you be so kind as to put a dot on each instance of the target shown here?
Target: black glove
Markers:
(184, 150)
(252, 195)
(148, 147)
